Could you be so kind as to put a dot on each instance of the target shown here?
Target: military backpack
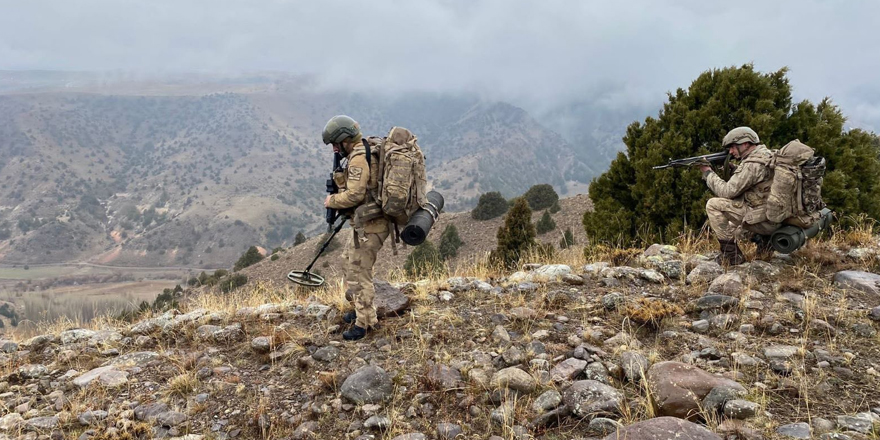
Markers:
(796, 191)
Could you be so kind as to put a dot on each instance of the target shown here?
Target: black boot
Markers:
(730, 253)
(349, 317)
(354, 333)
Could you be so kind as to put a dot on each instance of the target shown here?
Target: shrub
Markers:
(567, 239)
(300, 238)
(650, 312)
(541, 196)
(490, 205)
(250, 257)
(232, 282)
(555, 208)
(516, 236)
(274, 257)
(424, 261)
(634, 204)
(449, 242)
(545, 224)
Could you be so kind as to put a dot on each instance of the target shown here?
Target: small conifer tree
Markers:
(541, 196)
(546, 224)
(555, 208)
(449, 242)
(424, 261)
(250, 257)
(300, 238)
(516, 236)
(490, 205)
(567, 239)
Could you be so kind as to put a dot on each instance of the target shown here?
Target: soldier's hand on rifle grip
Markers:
(327, 201)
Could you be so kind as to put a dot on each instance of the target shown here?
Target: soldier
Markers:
(357, 183)
(740, 203)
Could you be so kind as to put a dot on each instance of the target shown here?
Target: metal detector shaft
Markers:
(327, 243)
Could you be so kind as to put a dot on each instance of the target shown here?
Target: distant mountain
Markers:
(147, 174)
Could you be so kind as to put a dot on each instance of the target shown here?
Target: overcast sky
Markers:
(531, 52)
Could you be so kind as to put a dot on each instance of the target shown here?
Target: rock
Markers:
(135, 359)
(795, 430)
(44, 423)
(306, 430)
(705, 272)
(701, 326)
(862, 422)
(567, 369)
(446, 296)
(874, 314)
(32, 371)
(11, 422)
(716, 302)
(500, 334)
(512, 356)
(572, 279)
(8, 346)
(780, 352)
(634, 365)
(369, 384)
(76, 335)
(444, 376)
(547, 401)
(411, 436)
(317, 311)
(448, 431)
(388, 300)
(727, 284)
(672, 269)
(740, 409)
(866, 282)
(150, 411)
(679, 388)
(377, 423)
(589, 398)
(759, 269)
(714, 402)
(604, 425)
(652, 276)
(594, 269)
(514, 379)
(661, 250)
(611, 301)
(523, 313)
(552, 272)
(821, 426)
(171, 418)
(91, 417)
(663, 428)
(107, 376)
(723, 321)
(326, 354)
(526, 287)
(864, 330)
(503, 415)
(261, 344)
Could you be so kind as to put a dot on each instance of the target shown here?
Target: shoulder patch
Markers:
(354, 173)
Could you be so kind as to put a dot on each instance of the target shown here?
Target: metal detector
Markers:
(307, 278)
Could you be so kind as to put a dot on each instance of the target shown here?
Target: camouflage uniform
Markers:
(740, 205)
(356, 189)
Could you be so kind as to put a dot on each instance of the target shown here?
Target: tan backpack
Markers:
(796, 192)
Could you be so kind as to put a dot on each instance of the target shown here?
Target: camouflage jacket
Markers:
(353, 182)
(750, 182)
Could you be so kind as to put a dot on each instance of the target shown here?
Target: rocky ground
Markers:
(656, 344)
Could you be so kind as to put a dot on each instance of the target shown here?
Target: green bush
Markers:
(555, 208)
(274, 257)
(490, 205)
(232, 282)
(449, 242)
(516, 236)
(424, 261)
(541, 196)
(300, 238)
(545, 224)
(634, 204)
(250, 257)
(567, 239)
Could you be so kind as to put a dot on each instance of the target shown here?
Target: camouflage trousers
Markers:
(359, 288)
(733, 219)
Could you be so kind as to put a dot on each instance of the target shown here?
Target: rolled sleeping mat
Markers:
(788, 239)
(416, 231)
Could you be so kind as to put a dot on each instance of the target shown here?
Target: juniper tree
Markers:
(250, 257)
(541, 196)
(490, 205)
(449, 242)
(633, 203)
(545, 224)
(516, 236)
(300, 238)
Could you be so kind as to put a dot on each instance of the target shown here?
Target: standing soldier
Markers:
(740, 202)
(358, 183)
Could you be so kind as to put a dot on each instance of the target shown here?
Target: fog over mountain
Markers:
(543, 56)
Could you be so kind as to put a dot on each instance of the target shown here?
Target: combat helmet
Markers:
(740, 135)
(340, 128)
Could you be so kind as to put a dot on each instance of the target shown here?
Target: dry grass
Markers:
(651, 312)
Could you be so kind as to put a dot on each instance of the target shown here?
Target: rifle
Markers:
(707, 159)
(331, 215)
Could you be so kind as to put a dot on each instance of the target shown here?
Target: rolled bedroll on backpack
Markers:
(416, 231)
(788, 239)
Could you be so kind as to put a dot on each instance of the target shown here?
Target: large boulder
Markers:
(866, 282)
(663, 428)
(552, 272)
(679, 388)
(389, 301)
(513, 378)
(369, 384)
(590, 398)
